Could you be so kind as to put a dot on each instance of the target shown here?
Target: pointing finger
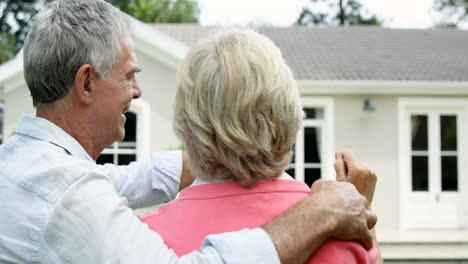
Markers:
(339, 167)
(350, 160)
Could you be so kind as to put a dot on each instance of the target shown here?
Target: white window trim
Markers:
(406, 104)
(116, 149)
(327, 171)
(142, 110)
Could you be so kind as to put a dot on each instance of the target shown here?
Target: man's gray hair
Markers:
(66, 35)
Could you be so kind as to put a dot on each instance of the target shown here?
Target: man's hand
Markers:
(345, 209)
(333, 209)
(349, 169)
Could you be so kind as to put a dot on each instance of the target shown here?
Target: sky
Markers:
(396, 13)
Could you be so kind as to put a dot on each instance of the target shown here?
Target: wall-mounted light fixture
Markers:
(368, 105)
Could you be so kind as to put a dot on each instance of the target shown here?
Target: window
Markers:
(419, 153)
(449, 152)
(434, 137)
(431, 171)
(313, 150)
(122, 153)
(309, 145)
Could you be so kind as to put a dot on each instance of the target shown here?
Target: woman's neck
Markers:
(200, 181)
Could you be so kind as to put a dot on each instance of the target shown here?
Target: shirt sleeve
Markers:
(92, 224)
(151, 180)
(245, 246)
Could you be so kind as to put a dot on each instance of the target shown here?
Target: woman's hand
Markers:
(349, 169)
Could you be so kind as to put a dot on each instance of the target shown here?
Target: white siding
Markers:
(17, 102)
(158, 85)
(373, 138)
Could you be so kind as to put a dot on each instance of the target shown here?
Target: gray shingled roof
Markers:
(359, 53)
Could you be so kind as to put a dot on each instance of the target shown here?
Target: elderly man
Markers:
(58, 206)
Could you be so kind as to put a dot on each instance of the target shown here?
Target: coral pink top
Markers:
(215, 208)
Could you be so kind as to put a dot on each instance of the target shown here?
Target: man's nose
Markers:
(136, 90)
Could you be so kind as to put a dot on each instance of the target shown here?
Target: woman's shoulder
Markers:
(340, 251)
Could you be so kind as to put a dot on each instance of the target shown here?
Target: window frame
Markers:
(142, 111)
(327, 131)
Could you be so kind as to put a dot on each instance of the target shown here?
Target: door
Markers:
(434, 171)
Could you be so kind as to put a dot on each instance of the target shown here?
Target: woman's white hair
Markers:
(237, 107)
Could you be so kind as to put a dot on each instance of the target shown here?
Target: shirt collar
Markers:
(200, 181)
(43, 129)
(284, 183)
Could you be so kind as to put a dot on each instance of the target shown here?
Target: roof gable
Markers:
(147, 40)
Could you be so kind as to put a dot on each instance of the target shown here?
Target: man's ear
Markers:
(85, 79)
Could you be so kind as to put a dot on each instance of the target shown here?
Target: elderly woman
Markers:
(238, 111)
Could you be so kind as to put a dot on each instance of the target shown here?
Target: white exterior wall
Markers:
(17, 103)
(158, 85)
(373, 136)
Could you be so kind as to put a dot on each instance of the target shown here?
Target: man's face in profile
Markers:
(114, 95)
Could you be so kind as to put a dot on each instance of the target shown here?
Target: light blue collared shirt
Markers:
(58, 206)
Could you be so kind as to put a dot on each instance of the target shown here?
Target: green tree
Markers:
(160, 11)
(15, 21)
(339, 12)
(7, 47)
(16, 17)
(452, 11)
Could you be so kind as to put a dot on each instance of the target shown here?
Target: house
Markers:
(397, 97)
